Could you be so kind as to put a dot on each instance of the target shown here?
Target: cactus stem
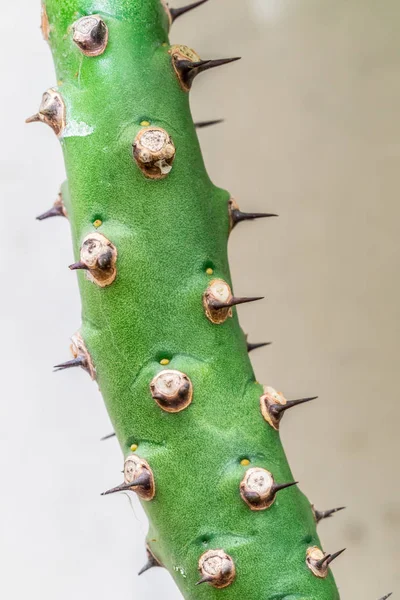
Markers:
(177, 12)
(325, 514)
(202, 124)
(251, 347)
(187, 70)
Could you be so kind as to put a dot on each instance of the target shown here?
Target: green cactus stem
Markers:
(159, 330)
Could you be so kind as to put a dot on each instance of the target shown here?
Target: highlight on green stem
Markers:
(160, 331)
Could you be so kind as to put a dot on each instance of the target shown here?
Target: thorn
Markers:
(33, 119)
(331, 557)
(188, 70)
(232, 302)
(281, 486)
(278, 409)
(202, 124)
(55, 211)
(205, 579)
(78, 265)
(107, 437)
(325, 514)
(79, 361)
(142, 481)
(251, 347)
(177, 12)
(151, 562)
(387, 596)
(319, 564)
(238, 216)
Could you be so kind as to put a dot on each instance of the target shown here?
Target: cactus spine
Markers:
(159, 330)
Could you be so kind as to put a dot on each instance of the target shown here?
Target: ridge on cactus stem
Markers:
(160, 332)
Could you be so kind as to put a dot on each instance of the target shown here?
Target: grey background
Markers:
(311, 132)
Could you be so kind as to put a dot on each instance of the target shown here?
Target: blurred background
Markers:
(311, 132)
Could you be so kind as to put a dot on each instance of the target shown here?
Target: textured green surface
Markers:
(167, 234)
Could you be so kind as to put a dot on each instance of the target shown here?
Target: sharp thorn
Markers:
(79, 361)
(78, 265)
(202, 124)
(152, 562)
(282, 486)
(387, 596)
(335, 555)
(238, 216)
(143, 480)
(188, 70)
(177, 12)
(321, 562)
(107, 437)
(233, 302)
(325, 514)
(33, 119)
(280, 408)
(251, 347)
(55, 211)
(205, 579)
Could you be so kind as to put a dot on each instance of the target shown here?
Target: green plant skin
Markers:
(167, 233)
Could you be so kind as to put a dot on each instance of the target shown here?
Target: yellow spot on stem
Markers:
(164, 44)
(164, 362)
(97, 223)
(209, 271)
(134, 447)
(245, 462)
(145, 123)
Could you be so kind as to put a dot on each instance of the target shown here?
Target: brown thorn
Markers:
(33, 119)
(281, 486)
(205, 579)
(177, 12)
(188, 70)
(335, 555)
(78, 265)
(233, 302)
(202, 124)
(143, 481)
(280, 408)
(325, 514)
(79, 361)
(238, 216)
(251, 347)
(107, 437)
(55, 211)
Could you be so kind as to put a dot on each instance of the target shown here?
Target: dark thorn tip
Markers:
(79, 361)
(202, 124)
(178, 12)
(251, 347)
(335, 555)
(107, 437)
(282, 486)
(234, 302)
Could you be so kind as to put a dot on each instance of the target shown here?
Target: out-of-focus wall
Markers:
(312, 132)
